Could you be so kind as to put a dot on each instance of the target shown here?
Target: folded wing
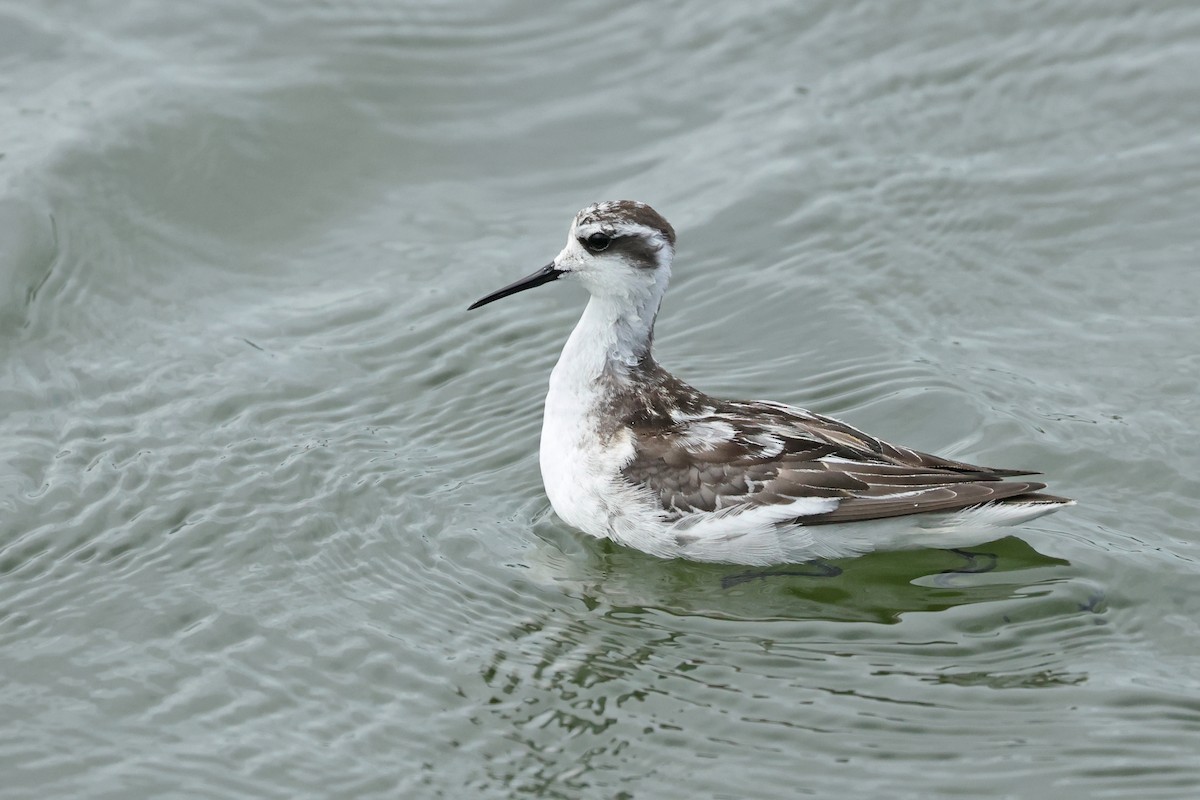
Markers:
(742, 456)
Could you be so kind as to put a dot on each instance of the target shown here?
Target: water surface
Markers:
(271, 523)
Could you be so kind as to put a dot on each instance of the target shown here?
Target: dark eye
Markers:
(599, 241)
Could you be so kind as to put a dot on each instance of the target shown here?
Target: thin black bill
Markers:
(544, 275)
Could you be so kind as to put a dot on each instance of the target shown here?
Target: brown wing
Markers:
(754, 454)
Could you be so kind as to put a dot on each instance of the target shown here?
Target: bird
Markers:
(631, 453)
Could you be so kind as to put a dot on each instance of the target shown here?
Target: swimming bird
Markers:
(631, 453)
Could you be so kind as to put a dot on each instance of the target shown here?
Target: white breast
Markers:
(581, 469)
(569, 472)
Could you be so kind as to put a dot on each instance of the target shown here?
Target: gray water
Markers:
(271, 523)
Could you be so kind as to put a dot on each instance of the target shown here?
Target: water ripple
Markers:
(271, 522)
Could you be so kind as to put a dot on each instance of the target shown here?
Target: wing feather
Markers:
(733, 456)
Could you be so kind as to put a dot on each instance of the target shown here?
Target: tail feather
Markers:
(1039, 498)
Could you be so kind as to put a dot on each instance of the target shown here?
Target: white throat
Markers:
(613, 335)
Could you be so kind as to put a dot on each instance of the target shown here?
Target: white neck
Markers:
(613, 336)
